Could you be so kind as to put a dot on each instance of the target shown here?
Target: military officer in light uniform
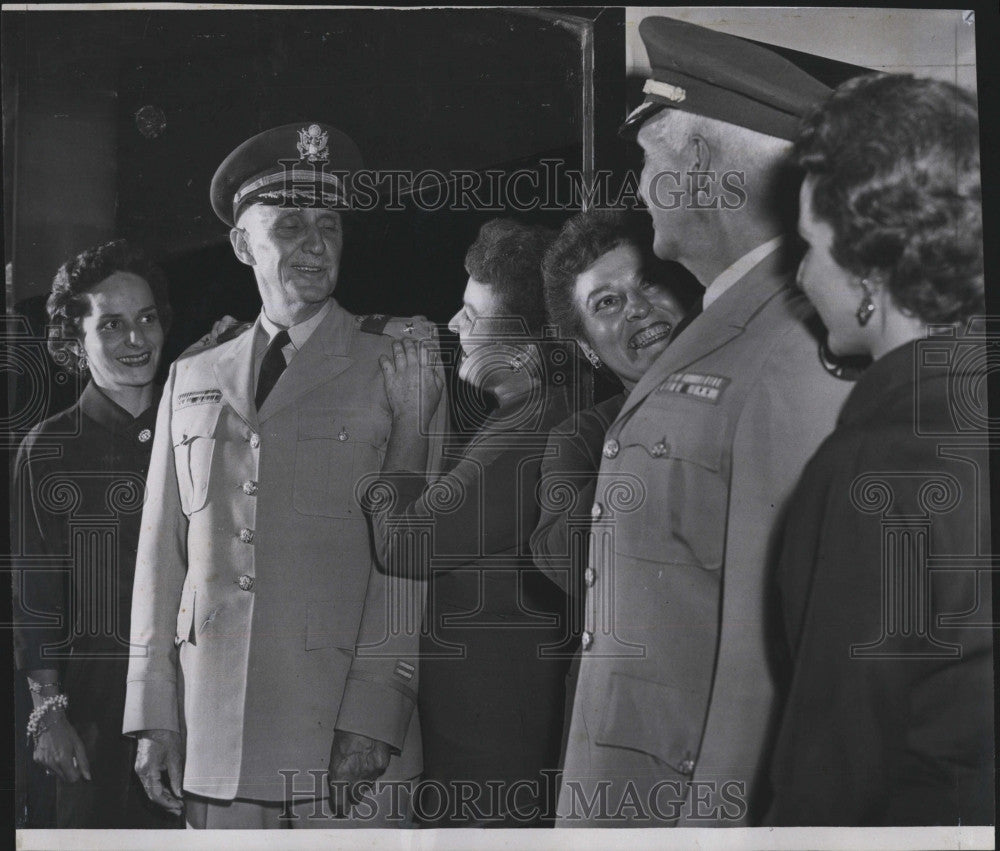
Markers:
(676, 695)
(264, 651)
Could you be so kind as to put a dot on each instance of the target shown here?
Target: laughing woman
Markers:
(77, 494)
(600, 290)
(889, 714)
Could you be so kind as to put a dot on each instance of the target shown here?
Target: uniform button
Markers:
(245, 582)
(145, 435)
(250, 488)
(343, 434)
(587, 639)
(687, 767)
(254, 440)
(597, 510)
(659, 449)
(611, 448)
(246, 536)
(590, 577)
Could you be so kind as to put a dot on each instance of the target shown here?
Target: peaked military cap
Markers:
(722, 76)
(306, 164)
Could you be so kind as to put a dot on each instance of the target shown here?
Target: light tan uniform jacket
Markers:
(264, 624)
(674, 681)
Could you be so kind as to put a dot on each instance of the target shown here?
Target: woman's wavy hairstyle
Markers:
(895, 167)
(66, 304)
(583, 240)
(507, 257)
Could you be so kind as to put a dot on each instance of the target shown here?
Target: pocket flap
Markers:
(659, 720)
(195, 421)
(330, 624)
(689, 431)
(345, 425)
(185, 616)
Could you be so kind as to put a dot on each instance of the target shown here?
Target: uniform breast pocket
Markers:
(194, 431)
(334, 450)
(680, 448)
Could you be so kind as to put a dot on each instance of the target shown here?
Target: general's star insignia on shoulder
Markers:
(397, 327)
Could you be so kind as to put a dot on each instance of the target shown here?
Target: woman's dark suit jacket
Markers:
(496, 642)
(889, 711)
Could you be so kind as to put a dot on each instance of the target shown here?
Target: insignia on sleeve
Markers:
(404, 670)
(198, 397)
(707, 388)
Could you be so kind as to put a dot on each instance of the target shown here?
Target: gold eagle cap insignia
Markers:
(312, 143)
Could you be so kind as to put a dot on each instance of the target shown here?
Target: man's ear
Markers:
(241, 247)
(701, 153)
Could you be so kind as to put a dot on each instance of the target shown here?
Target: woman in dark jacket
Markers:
(495, 645)
(78, 490)
(883, 581)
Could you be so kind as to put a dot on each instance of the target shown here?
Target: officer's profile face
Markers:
(667, 158)
(627, 318)
(295, 254)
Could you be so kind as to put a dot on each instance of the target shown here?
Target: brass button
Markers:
(145, 435)
(587, 639)
(687, 767)
(343, 434)
(246, 536)
(590, 577)
(254, 440)
(659, 449)
(597, 510)
(250, 488)
(611, 448)
(245, 582)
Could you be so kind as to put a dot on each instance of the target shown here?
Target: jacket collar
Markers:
(102, 410)
(721, 321)
(322, 356)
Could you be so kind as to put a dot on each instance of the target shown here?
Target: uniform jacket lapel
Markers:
(323, 357)
(720, 323)
(234, 372)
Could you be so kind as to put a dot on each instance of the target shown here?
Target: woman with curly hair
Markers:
(889, 711)
(78, 490)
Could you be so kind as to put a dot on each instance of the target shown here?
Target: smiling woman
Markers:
(597, 291)
(108, 313)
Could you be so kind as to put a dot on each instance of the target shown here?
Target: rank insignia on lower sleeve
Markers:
(707, 388)
(404, 670)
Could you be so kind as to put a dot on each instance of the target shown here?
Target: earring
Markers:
(867, 306)
(82, 363)
(592, 356)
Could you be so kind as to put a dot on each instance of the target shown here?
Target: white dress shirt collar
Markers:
(298, 334)
(738, 270)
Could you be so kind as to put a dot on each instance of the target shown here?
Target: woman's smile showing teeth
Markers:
(649, 335)
(135, 360)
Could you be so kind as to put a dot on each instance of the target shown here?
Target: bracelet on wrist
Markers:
(36, 687)
(50, 706)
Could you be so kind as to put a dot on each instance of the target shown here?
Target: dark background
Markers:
(457, 89)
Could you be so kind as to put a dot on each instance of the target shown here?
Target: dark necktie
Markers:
(272, 366)
(689, 317)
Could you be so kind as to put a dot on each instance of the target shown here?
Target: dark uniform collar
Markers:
(107, 413)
